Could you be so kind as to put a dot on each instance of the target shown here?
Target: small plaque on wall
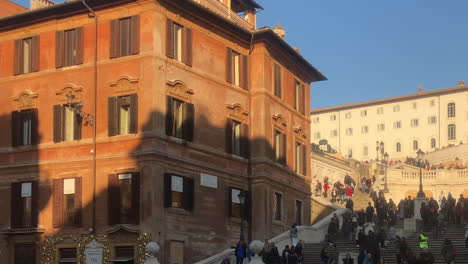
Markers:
(208, 180)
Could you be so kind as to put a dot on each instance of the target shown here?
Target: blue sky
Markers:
(372, 49)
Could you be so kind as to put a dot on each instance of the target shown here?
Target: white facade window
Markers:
(365, 151)
(396, 108)
(398, 147)
(350, 153)
(397, 124)
(451, 110)
(364, 129)
(415, 105)
(380, 110)
(381, 127)
(332, 117)
(334, 133)
(364, 113)
(316, 120)
(348, 115)
(432, 103)
(349, 131)
(433, 143)
(317, 135)
(452, 132)
(414, 122)
(432, 120)
(415, 145)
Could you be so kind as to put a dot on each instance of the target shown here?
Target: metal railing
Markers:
(221, 9)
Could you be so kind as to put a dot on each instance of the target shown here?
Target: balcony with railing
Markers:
(221, 8)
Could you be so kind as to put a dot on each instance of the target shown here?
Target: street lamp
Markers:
(377, 150)
(241, 196)
(386, 166)
(76, 107)
(420, 156)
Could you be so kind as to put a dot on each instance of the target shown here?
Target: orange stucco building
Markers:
(148, 129)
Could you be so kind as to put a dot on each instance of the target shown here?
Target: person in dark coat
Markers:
(298, 250)
(350, 204)
(369, 212)
(425, 257)
(240, 252)
(285, 254)
(348, 259)
(448, 251)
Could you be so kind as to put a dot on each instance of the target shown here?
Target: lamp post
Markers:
(241, 196)
(76, 107)
(420, 156)
(385, 161)
(377, 150)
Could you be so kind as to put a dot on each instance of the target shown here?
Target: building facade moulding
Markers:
(178, 89)
(237, 112)
(69, 90)
(25, 100)
(300, 133)
(125, 84)
(279, 122)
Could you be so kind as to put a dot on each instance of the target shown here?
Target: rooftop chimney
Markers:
(37, 4)
(297, 50)
(420, 89)
(461, 83)
(279, 30)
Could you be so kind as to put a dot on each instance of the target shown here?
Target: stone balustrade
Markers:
(309, 234)
(404, 181)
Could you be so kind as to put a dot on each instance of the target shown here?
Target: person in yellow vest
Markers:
(423, 241)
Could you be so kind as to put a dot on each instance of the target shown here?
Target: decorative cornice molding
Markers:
(179, 90)
(300, 133)
(69, 89)
(279, 121)
(237, 112)
(25, 100)
(125, 83)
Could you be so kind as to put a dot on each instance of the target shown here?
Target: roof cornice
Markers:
(390, 100)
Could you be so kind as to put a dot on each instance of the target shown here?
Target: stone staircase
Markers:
(454, 232)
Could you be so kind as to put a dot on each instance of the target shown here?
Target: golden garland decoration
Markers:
(142, 240)
(49, 247)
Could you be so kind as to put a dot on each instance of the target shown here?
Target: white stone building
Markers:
(424, 120)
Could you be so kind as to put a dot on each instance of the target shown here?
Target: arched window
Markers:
(433, 143)
(451, 110)
(415, 145)
(452, 132)
(398, 147)
(365, 151)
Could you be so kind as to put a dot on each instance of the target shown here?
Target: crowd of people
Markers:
(366, 228)
(338, 192)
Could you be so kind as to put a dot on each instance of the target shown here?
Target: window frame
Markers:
(433, 143)
(277, 81)
(116, 37)
(184, 114)
(451, 110)
(114, 203)
(33, 55)
(187, 194)
(277, 206)
(415, 145)
(452, 132)
(398, 147)
(279, 147)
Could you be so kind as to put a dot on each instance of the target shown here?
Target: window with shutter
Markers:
(67, 123)
(26, 55)
(237, 69)
(67, 255)
(124, 198)
(297, 95)
(71, 201)
(234, 202)
(180, 119)
(277, 81)
(277, 146)
(25, 253)
(125, 36)
(179, 192)
(277, 206)
(69, 47)
(122, 115)
(298, 212)
(179, 42)
(24, 127)
(24, 201)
